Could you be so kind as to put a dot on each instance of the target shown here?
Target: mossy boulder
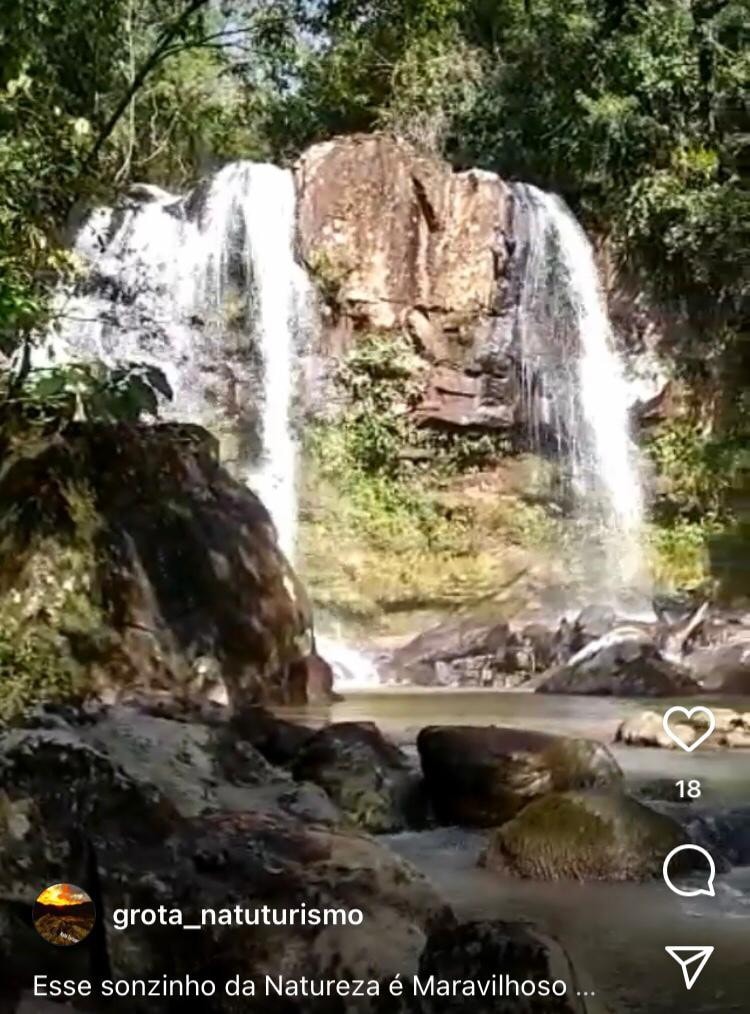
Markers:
(367, 777)
(590, 835)
(131, 560)
(483, 775)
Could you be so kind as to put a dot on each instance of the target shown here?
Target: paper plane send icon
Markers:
(692, 961)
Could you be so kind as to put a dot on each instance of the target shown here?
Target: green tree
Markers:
(92, 93)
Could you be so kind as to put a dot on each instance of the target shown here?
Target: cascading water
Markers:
(574, 389)
(206, 288)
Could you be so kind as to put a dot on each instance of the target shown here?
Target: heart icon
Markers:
(688, 713)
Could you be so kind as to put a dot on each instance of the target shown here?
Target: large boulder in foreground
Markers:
(367, 777)
(477, 953)
(483, 775)
(259, 875)
(590, 835)
(220, 863)
(70, 812)
(623, 663)
(131, 560)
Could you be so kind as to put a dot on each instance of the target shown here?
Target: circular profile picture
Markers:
(64, 914)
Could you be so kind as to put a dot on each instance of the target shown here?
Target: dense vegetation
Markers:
(636, 111)
(417, 524)
(92, 95)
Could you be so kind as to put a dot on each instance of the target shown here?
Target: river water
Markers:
(615, 933)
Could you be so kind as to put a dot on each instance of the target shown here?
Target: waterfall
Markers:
(206, 287)
(574, 390)
(352, 669)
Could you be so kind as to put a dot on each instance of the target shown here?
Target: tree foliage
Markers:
(636, 111)
(92, 95)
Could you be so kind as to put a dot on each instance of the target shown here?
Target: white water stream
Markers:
(574, 387)
(205, 287)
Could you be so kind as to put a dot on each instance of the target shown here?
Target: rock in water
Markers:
(482, 776)
(591, 623)
(592, 835)
(364, 775)
(494, 952)
(130, 559)
(723, 668)
(442, 654)
(623, 663)
(277, 739)
(725, 834)
(647, 729)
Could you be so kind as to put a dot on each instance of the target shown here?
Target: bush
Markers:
(697, 471)
(390, 495)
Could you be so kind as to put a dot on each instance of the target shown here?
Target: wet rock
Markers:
(468, 652)
(277, 739)
(483, 952)
(482, 776)
(203, 769)
(477, 671)
(367, 777)
(658, 790)
(115, 835)
(647, 729)
(723, 668)
(623, 663)
(253, 861)
(58, 794)
(310, 681)
(459, 399)
(538, 648)
(452, 640)
(724, 834)
(591, 623)
(186, 766)
(35, 765)
(590, 835)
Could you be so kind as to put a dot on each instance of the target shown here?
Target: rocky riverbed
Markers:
(687, 650)
(207, 809)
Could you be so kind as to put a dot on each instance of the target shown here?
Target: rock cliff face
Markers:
(397, 240)
(131, 560)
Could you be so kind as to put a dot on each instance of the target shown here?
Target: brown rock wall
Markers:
(398, 241)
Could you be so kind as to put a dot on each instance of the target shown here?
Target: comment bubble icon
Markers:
(691, 892)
